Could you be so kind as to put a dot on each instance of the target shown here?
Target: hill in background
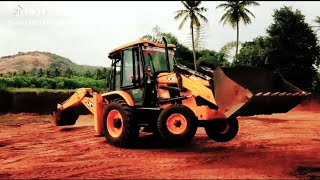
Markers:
(36, 60)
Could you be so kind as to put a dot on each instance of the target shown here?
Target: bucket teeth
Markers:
(267, 94)
(259, 94)
(283, 94)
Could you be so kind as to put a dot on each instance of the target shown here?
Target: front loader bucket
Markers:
(246, 91)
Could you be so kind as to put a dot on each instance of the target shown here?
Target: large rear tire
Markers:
(177, 125)
(222, 130)
(119, 125)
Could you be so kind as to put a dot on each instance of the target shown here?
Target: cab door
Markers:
(132, 74)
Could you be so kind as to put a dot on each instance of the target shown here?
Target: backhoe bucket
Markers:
(246, 91)
(66, 117)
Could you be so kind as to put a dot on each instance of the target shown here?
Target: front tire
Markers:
(222, 130)
(119, 125)
(177, 125)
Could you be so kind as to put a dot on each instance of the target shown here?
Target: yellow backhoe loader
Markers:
(149, 89)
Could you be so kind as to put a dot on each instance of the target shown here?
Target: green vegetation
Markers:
(290, 47)
(65, 63)
(52, 83)
(317, 20)
(39, 90)
(192, 12)
(236, 11)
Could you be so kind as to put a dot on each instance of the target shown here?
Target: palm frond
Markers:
(249, 3)
(317, 20)
(202, 17)
(179, 15)
(249, 12)
(200, 10)
(183, 21)
(192, 12)
(244, 17)
(186, 5)
(223, 6)
(236, 11)
(195, 21)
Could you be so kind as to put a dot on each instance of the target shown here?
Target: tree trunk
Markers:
(236, 57)
(193, 49)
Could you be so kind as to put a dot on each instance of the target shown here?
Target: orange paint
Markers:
(176, 123)
(114, 115)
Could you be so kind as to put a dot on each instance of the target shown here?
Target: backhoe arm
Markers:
(93, 101)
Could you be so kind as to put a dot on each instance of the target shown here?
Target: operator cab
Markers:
(135, 67)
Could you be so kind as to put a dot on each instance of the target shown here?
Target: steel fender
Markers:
(126, 96)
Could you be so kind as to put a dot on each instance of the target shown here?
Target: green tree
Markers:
(212, 59)
(48, 72)
(317, 20)
(24, 73)
(157, 34)
(56, 72)
(99, 74)
(227, 48)
(236, 11)
(253, 53)
(294, 48)
(183, 53)
(69, 72)
(192, 12)
(88, 74)
(40, 73)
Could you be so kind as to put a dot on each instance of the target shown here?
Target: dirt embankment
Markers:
(31, 102)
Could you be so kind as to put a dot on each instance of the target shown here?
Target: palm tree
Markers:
(317, 20)
(193, 13)
(157, 35)
(236, 12)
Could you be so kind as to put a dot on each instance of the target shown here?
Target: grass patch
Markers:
(40, 90)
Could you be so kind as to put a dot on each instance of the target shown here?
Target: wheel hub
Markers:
(177, 123)
(117, 123)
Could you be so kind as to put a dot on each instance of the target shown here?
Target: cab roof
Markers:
(142, 42)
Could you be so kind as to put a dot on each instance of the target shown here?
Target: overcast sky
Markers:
(85, 32)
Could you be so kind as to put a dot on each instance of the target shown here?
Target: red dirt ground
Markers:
(271, 146)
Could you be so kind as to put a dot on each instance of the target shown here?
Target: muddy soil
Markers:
(269, 147)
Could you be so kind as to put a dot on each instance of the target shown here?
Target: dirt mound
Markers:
(310, 104)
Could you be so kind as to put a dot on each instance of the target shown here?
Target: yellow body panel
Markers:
(194, 87)
(123, 94)
(142, 41)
